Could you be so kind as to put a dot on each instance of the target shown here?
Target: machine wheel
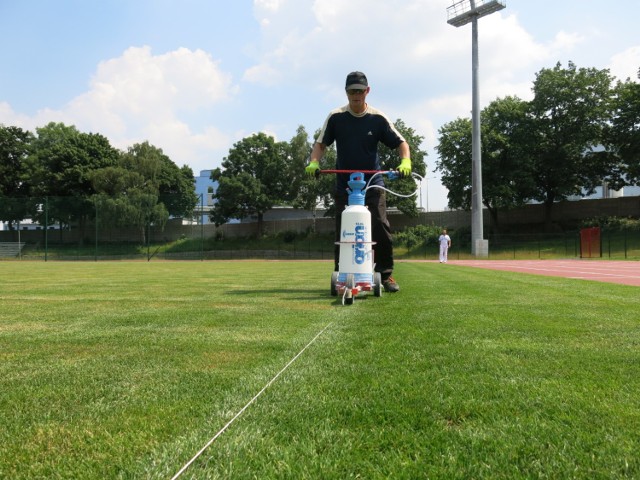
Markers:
(377, 284)
(350, 285)
(334, 281)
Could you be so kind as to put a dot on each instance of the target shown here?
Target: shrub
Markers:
(288, 236)
(619, 224)
(420, 235)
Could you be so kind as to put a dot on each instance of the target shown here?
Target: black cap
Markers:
(356, 80)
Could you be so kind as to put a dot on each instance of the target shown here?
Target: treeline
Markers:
(79, 171)
(260, 173)
(81, 174)
(581, 130)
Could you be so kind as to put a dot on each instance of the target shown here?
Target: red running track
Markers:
(625, 272)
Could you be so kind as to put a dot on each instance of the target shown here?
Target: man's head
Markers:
(357, 88)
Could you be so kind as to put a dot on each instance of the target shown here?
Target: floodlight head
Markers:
(463, 11)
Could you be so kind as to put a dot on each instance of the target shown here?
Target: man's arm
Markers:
(405, 159)
(403, 150)
(317, 152)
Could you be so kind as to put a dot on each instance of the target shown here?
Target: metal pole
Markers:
(480, 246)
(46, 227)
(202, 226)
(95, 205)
(476, 157)
(426, 187)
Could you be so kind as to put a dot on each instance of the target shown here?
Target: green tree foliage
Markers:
(623, 135)
(299, 148)
(63, 160)
(567, 120)
(174, 186)
(142, 190)
(418, 236)
(454, 163)
(253, 178)
(503, 160)
(390, 160)
(544, 150)
(309, 193)
(312, 192)
(15, 144)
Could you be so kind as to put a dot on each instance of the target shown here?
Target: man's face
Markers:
(357, 99)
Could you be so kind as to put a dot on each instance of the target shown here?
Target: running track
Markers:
(625, 272)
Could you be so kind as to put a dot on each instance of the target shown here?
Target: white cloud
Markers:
(9, 117)
(626, 64)
(293, 72)
(264, 74)
(566, 42)
(394, 43)
(140, 96)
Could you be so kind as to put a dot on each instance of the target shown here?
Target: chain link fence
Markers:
(67, 228)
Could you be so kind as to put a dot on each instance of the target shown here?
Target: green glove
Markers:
(405, 167)
(312, 168)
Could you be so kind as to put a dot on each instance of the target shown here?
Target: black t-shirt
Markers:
(357, 138)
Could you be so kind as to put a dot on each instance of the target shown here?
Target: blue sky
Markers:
(195, 76)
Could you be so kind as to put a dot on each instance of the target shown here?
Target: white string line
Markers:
(186, 465)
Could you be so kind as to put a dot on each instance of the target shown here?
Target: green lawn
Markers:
(127, 369)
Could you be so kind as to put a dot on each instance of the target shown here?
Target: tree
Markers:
(143, 189)
(311, 192)
(253, 178)
(126, 199)
(299, 148)
(506, 177)
(15, 144)
(454, 164)
(567, 120)
(544, 150)
(509, 182)
(389, 160)
(174, 186)
(623, 135)
(63, 159)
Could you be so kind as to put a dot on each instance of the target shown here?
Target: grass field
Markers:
(127, 369)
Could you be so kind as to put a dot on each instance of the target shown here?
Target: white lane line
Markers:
(213, 439)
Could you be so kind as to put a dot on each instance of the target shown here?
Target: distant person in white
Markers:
(445, 242)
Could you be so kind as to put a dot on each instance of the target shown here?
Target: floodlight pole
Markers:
(461, 13)
(477, 222)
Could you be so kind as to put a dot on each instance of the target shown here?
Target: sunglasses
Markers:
(354, 91)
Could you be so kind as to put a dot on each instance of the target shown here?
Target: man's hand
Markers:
(405, 167)
(312, 168)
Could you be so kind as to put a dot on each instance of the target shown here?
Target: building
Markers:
(205, 189)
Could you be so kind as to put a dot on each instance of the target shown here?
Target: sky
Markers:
(193, 77)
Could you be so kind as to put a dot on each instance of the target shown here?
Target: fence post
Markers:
(95, 204)
(202, 226)
(46, 227)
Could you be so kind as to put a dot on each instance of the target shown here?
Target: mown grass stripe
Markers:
(248, 404)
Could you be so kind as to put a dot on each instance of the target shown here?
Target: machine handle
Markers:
(391, 174)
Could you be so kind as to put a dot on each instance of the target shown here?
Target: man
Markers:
(357, 128)
(445, 243)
